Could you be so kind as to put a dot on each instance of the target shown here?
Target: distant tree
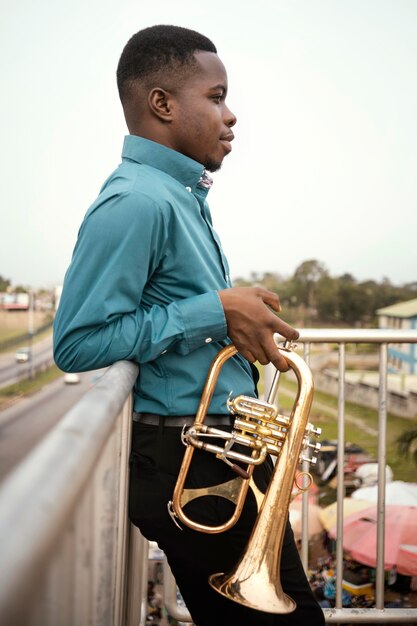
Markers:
(272, 281)
(305, 280)
(4, 283)
(269, 280)
(255, 277)
(353, 301)
(347, 278)
(327, 300)
(241, 282)
(412, 287)
(312, 295)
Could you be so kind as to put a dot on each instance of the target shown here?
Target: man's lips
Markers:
(226, 141)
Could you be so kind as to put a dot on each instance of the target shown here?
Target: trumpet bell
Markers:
(260, 594)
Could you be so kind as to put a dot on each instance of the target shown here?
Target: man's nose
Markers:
(230, 118)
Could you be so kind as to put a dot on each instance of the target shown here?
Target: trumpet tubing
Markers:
(255, 581)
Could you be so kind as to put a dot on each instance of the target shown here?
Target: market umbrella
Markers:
(407, 558)
(314, 524)
(328, 515)
(396, 492)
(360, 531)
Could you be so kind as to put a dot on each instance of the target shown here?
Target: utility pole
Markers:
(30, 331)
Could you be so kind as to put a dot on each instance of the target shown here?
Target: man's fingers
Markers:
(286, 330)
(271, 299)
(280, 363)
(276, 358)
(248, 355)
(262, 357)
(264, 353)
(252, 322)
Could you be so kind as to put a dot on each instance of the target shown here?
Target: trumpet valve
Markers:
(313, 430)
(263, 431)
(252, 407)
(308, 459)
(308, 445)
(315, 446)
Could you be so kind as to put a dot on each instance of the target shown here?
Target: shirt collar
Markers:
(188, 172)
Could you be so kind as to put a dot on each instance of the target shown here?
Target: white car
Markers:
(71, 379)
(22, 355)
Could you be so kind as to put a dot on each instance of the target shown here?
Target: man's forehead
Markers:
(210, 69)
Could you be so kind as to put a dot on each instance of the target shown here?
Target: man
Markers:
(149, 282)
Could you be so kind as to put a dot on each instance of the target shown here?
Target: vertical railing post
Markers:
(305, 497)
(136, 609)
(382, 462)
(122, 530)
(340, 473)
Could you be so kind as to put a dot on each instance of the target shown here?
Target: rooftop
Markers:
(401, 309)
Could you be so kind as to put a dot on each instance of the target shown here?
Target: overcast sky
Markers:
(324, 164)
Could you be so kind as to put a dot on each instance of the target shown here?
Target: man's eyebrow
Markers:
(219, 86)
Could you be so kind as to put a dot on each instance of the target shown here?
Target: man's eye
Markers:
(217, 99)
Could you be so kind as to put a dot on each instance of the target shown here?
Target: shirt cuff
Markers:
(203, 318)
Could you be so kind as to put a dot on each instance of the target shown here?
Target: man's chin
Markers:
(213, 166)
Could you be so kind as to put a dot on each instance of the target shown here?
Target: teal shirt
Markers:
(143, 285)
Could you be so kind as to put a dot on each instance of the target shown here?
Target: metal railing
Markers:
(63, 518)
(382, 338)
(68, 555)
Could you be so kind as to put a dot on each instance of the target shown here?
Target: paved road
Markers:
(11, 372)
(24, 424)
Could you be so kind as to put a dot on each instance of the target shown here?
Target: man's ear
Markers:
(160, 103)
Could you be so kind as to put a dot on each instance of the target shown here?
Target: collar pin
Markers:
(205, 181)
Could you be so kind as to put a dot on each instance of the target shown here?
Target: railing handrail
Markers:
(354, 335)
(37, 498)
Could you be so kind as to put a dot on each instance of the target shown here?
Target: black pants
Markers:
(156, 457)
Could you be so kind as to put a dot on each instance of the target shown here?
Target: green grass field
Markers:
(361, 427)
(12, 393)
(15, 325)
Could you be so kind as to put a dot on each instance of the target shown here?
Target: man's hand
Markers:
(251, 325)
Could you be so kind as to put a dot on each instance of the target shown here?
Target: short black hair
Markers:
(161, 50)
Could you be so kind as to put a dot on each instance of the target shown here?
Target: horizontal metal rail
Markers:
(353, 335)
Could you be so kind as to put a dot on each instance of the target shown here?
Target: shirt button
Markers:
(208, 340)
(189, 189)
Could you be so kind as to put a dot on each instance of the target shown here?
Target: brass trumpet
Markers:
(255, 582)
